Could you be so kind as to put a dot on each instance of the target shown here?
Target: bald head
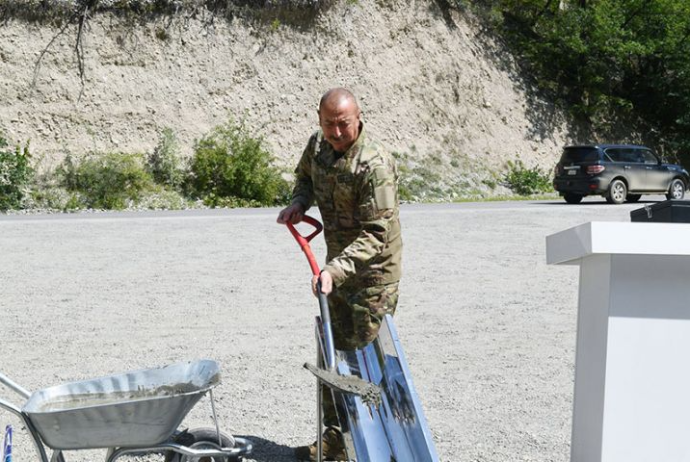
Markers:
(337, 97)
(339, 117)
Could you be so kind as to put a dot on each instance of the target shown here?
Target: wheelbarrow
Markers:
(131, 413)
(391, 427)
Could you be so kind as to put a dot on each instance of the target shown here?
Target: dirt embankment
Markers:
(432, 86)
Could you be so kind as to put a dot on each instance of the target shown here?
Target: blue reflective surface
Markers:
(396, 430)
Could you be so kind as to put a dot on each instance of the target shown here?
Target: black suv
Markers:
(618, 172)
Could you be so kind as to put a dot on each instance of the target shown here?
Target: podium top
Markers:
(597, 237)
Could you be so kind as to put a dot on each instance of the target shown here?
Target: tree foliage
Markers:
(607, 58)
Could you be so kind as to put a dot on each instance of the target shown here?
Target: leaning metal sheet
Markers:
(396, 430)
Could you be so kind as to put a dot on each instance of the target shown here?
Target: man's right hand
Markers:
(326, 283)
(292, 213)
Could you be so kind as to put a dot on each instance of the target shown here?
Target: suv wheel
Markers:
(572, 198)
(676, 190)
(617, 192)
(633, 198)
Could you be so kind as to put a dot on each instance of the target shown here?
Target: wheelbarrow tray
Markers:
(135, 409)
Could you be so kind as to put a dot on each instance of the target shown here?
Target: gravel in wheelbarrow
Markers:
(135, 409)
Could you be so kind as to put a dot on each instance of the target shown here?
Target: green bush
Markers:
(107, 181)
(525, 181)
(47, 197)
(16, 175)
(165, 162)
(230, 166)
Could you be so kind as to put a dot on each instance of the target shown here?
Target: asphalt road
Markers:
(487, 326)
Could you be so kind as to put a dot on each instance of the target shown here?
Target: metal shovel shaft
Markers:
(327, 331)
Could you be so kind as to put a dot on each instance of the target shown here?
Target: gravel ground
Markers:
(488, 327)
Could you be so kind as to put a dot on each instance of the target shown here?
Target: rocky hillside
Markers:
(445, 96)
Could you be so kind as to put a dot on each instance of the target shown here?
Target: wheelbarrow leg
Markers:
(57, 456)
(38, 444)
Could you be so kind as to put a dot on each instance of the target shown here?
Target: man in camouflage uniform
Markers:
(353, 180)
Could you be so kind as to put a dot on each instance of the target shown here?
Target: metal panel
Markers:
(396, 430)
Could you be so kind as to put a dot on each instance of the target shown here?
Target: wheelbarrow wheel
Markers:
(201, 438)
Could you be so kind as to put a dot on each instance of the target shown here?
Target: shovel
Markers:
(370, 393)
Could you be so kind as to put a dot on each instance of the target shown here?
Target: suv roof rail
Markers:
(604, 146)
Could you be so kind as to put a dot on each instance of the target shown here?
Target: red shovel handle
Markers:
(303, 241)
(329, 353)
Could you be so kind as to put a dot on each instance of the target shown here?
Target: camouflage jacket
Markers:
(357, 195)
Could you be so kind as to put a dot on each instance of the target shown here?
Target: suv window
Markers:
(649, 157)
(615, 155)
(634, 156)
(628, 155)
(584, 154)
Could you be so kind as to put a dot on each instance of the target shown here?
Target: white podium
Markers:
(632, 364)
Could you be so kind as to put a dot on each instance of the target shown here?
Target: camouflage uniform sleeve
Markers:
(303, 192)
(378, 208)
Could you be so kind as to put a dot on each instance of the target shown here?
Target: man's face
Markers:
(340, 124)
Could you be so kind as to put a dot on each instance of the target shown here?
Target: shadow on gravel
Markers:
(269, 451)
(581, 204)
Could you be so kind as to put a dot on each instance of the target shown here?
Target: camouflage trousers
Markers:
(356, 316)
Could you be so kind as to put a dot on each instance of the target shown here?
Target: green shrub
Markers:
(165, 162)
(48, 197)
(107, 181)
(16, 175)
(525, 181)
(230, 166)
